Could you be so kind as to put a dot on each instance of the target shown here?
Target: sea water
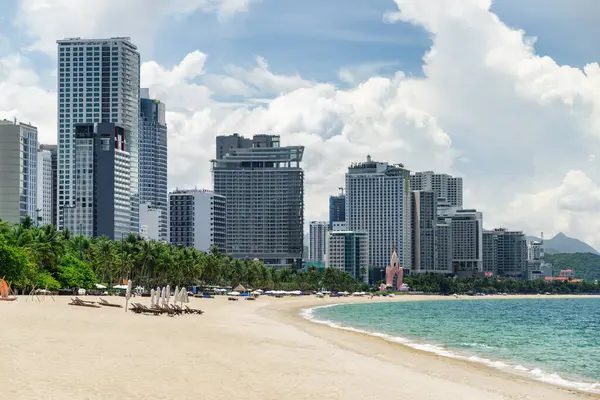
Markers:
(553, 340)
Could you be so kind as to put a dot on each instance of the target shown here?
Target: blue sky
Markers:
(316, 38)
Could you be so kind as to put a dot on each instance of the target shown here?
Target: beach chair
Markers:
(232, 299)
(103, 302)
(78, 302)
(178, 310)
(149, 310)
(194, 311)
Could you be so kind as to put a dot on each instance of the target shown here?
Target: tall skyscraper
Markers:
(102, 187)
(510, 258)
(447, 187)
(153, 161)
(18, 171)
(98, 81)
(316, 236)
(378, 202)
(44, 187)
(198, 219)
(337, 208)
(467, 237)
(52, 148)
(423, 226)
(264, 190)
(349, 252)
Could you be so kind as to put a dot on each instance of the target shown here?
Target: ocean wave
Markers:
(536, 373)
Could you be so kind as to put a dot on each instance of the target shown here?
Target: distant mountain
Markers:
(585, 265)
(561, 243)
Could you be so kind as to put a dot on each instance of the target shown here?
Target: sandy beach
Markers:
(246, 349)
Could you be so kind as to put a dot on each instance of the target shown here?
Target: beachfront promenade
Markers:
(247, 349)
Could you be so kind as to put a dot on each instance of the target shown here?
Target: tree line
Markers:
(42, 257)
(448, 284)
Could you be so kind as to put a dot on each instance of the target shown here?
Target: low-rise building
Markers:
(348, 251)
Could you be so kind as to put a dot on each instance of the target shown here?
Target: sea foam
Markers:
(536, 373)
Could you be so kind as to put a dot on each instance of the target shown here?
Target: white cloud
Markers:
(518, 127)
(49, 20)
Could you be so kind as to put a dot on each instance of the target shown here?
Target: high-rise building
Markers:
(18, 171)
(423, 227)
(52, 148)
(349, 252)
(153, 160)
(443, 249)
(378, 202)
(490, 252)
(447, 187)
(264, 188)
(316, 235)
(227, 143)
(337, 208)
(44, 188)
(511, 252)
(467, 241)
(98, 81)
(102, 188)
(198, 219)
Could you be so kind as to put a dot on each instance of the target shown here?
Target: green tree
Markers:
(75, 273)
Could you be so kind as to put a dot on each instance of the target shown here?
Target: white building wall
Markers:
(44, 187)
(203, 223)
(149, 222)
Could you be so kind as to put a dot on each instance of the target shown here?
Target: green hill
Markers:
(585, 265)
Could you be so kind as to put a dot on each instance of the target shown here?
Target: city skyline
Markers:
(461, 132)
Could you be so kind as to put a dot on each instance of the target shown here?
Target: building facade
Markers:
(446, 187)
(102, 181)
(264, 188)
(98, 81)
(490, 252)
(467, 240)
(44, 188)
(348, 251)
(423, 230)
(511, 253)
(443, 250)
(378, 202)
(18, 171)
(337, 209)
(53, 149)
(150, 219)
(197, 219)
(153, 160)
(227, 143)
(317, 235)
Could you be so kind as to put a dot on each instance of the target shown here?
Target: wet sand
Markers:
(246, 349)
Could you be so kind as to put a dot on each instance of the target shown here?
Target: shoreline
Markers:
(439, 351)
(256, 350)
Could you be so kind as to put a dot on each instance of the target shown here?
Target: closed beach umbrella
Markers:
(128, 294)
(168, 294)
(186, 299)
(151, 296)
(158, 294)
(164, 296)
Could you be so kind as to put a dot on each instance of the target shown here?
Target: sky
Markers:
(506, 95)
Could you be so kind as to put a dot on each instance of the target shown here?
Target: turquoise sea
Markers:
(553, 340)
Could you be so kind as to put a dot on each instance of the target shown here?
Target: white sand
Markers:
(248, 350)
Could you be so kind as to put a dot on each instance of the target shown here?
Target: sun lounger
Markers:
(107, 304)
(232, 299)
(78, 302)
(193, 310)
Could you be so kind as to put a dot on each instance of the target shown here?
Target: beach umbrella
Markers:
(128, 293)
(157, 298)
(186, 299)
(151, 297)
(168, 294)
(163, 296)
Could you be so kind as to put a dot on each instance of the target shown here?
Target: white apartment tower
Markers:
(197, 219)
(378, 202)
(18, 171)
(349, 252)
(317, 235)
(466, 238)
(44, 187)
(98, 81)
(449, 189)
